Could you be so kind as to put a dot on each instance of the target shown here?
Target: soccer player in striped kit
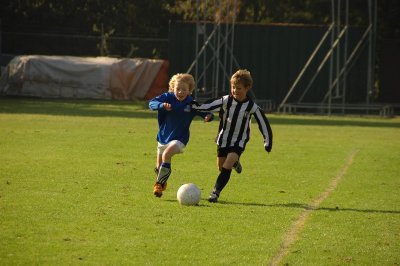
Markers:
(235, 128)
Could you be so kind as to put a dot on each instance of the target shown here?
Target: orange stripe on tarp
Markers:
(160, 83)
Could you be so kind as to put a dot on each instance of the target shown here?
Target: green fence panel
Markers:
(275, 55)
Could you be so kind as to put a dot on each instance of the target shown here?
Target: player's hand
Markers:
(208, 118)
(167, 106)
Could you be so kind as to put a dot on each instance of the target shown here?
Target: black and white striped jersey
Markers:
(236, 120)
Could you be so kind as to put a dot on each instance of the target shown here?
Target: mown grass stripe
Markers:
(294, 231)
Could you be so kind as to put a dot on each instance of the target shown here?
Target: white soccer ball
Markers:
(188, 194)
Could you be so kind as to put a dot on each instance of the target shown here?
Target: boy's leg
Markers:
(158, 163)
(226, 170)
(237, 166)
(224, 175)
(220, 162)
(164, 170)
(230, 160)
(222, 180)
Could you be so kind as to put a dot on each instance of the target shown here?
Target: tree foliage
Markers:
(291, 11)
(134, 17)
(151, 17)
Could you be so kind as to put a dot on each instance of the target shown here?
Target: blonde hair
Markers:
(242, 76)
(181, 77)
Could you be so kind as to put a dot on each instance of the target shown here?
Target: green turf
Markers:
(76, 183)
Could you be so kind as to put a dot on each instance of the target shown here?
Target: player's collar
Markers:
(245, 100)
(188, 99)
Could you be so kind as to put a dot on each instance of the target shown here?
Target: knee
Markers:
(166, 157)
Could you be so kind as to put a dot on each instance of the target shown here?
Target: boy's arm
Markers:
(157, 103)
(210, 105)
(207, 116)
(265, 128)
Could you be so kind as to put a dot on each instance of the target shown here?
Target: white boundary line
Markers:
(293, 232)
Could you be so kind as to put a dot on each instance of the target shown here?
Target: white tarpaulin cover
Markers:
(82, 77)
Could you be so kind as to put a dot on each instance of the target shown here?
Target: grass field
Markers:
(76, 183)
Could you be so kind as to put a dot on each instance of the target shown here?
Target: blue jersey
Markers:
(174, 124)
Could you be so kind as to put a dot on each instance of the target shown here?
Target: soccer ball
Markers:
(188, 194)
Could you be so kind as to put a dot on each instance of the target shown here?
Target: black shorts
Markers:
(223, 152)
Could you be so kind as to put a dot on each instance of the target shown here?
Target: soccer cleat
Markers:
(158, 189)
(238, 167)
(213, 197)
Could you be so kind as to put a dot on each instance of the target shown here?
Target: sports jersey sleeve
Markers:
(265, 128)
(157, 103)
(210, 105)
(204, 114)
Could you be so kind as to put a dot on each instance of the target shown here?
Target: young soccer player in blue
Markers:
(235, 112)
(175, 114)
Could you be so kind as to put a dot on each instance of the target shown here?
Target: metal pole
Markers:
(232, 37)
(205, 51)
(225, 52)
(201, 51)
(212, 60)
(337, 92)
(352, 55)
(0, 36)
(306, 65)
(216, 69)
(197, 48)
(346, 38)
(327, 56)
(369, 74)
(331, 58)
(374, 44)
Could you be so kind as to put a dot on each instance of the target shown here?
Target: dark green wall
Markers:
(275, 55)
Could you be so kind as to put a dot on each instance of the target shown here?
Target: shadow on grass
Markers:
(309, 207)
(198, 205)
(139, 109)
(292, 206)
(69, 107)
(316, 121)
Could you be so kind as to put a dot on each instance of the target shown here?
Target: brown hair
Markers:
(242, 76)
(182, 77)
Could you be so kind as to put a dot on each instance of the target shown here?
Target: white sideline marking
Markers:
(292, 235)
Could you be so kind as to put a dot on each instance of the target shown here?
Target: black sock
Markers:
(222, 180)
